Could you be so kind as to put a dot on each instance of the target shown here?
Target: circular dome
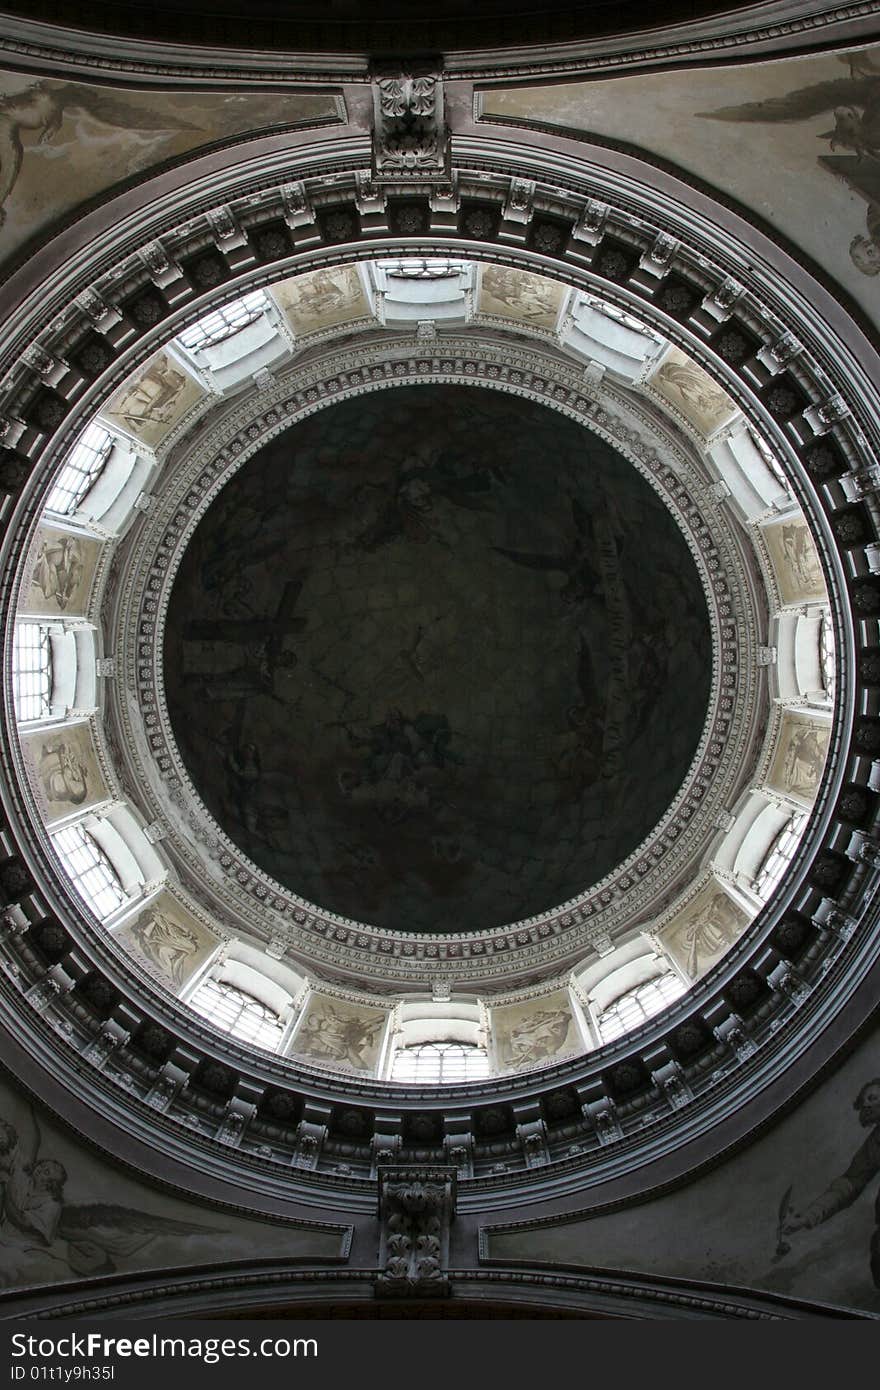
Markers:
(437, 658)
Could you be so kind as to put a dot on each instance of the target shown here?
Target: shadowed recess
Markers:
(437, 658)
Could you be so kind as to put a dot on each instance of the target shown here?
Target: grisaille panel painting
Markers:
(61, 143)
(800, 756)
(168, 941)
(417, 640)
(66, 1215)
(152, 404)
(516, 294)
(339, 1033)
(795, 562)
(704, 930)
(535, 1031)
(737, 127)
(685, 385)
(793, 1214)
(322, 298)
(60, 572)
(64, 770)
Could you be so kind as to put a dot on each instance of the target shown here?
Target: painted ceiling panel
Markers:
(437, 659)
(736, 128)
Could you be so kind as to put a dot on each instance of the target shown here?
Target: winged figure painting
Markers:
(576, 563)
(42, 1235)
(41, 108)
(854, 102)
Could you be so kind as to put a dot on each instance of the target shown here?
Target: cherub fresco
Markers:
(43, 1236)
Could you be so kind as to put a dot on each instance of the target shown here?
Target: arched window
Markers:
(32, 671)
(90, 871)
(635, 1007)
(778, 857)
(440, 1063)
(233, 1011)
(84, 464)
(222, 323)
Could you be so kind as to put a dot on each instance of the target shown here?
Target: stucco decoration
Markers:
(66, 1215)
(534, 1032)
(413, 645)
(59, 573)
(338, 1033)
(737, 127)
(62, 143)
(517, 294)
(168, 941)
(704, 930)
(792, 1214)
(701, 401)
(322, 298)
(795, 561)
(800, 756)
(63, 767)
(151, 405)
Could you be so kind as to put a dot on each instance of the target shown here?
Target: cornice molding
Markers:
(778, 1006)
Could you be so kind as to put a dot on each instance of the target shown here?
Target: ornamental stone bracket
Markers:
(409, 130)
(416, 1209)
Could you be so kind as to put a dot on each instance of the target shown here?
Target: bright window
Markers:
(826, 654)
(611, 311)
(223, 323)
(237, 1013)
(32, 671)
(412, 269)
(638, 1005)
(778, 858)
(89, 870)
(83, 465)
(440, 1063)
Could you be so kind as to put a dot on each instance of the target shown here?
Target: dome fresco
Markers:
(437, 658)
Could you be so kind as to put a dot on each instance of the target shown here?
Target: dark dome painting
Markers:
(437, 658)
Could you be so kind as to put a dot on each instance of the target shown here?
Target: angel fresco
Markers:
(41, 109)
(43, 1236)
(577, 563)
(854, 103)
